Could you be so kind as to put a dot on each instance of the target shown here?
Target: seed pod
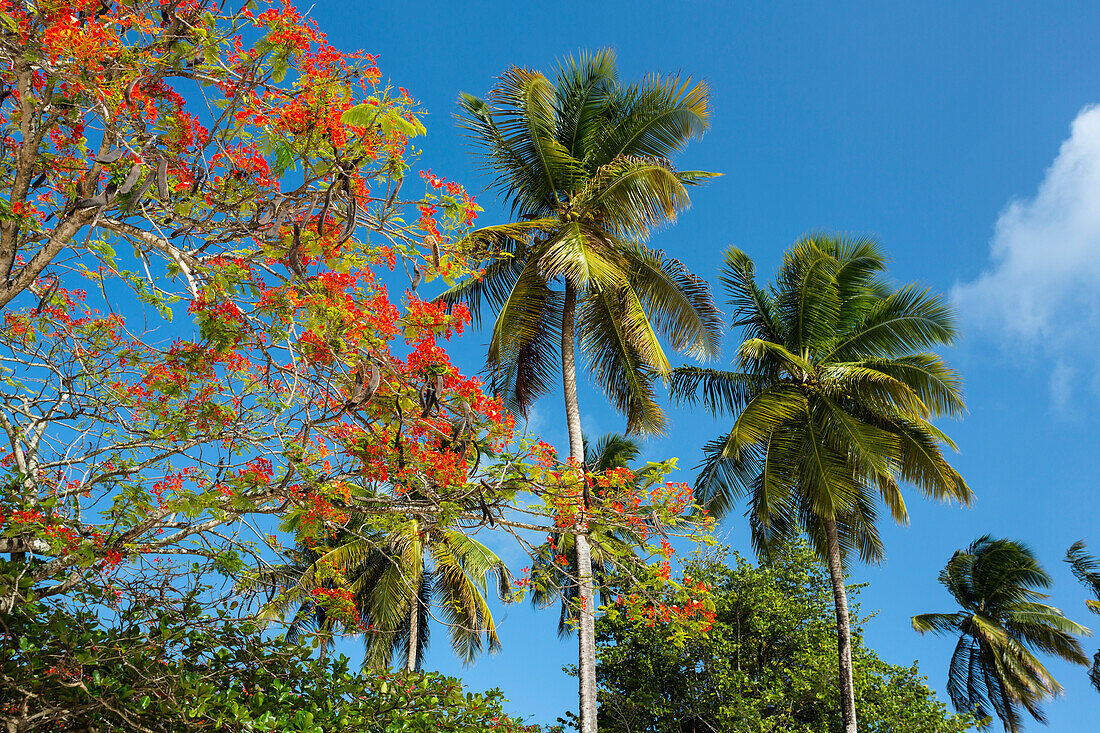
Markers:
(349, 225)
(199, 175)
(4, 95)
(110, 191)
(92, 202)
(186, 229)
(40, 180)
(433, 244)
(393, 192)
(110, 156)
(128, 94)
(162, 180)
(131, 178)
(294, 256)
(138, 195)
(324, 210)
(46, 295)
(280, 219)
(418, 277)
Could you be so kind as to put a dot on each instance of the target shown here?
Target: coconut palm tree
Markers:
(1000, 626)
(1086, 568)
(832, 396)
(397, 579)
(583, 162)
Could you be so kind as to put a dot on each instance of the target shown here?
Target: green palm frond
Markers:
(608, 336)
(522, 347)
(678, 303)
(908, 320)
(612, 450)
(721, 393)
(654, 117)
(808, 297)
(633, 196)
(754, 309)
(582, 89)
(1086, 568)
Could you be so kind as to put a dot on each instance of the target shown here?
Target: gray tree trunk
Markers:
(414, 632)
(843, 630)
(586, 631)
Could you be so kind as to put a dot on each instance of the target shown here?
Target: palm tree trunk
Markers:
(414, 632)
(586, 632)
(843, 630)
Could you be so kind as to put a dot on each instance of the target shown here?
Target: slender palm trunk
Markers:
(586, 633)
(843, 630)
(414, 632)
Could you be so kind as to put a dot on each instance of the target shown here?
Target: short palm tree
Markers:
(1086, 568)
(1000, 626)
(550, 579)
(584, 163)
(832, 396)
(396, 580)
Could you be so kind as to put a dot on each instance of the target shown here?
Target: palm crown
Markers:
(584, 164)
(396, 579)
(1001, 624)
(833, 397)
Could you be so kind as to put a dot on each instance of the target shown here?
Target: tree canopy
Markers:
(767, 662)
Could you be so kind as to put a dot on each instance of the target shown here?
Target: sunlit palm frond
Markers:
(678, 303)
(608, 338)
(654, 117)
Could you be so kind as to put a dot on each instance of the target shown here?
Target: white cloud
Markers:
(1041, 292)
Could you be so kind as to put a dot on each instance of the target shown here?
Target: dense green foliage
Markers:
(1001, 625)
(182, 671)
(768, 663)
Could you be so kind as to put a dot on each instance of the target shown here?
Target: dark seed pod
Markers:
(40, 180)
(294, 256)
(128, 94)
(4, 95)
(349, 225)
(324, 210)
(131, 178)
(110, 156)
(393, 192)
(138, 195)
(199, 175)
(46, 295)
(92, 202)
(162, 179)
(110, 191)
(418, 277)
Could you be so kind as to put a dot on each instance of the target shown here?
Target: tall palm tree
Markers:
(396, 580)
(832, 396)
(1001, 625)
(583, 161)
(1086, 568)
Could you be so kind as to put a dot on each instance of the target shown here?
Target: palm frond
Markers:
(678, 303)
(653, 117)
(721, 393)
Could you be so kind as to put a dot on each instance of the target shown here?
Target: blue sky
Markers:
(958, 135)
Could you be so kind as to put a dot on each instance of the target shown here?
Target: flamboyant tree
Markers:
(236, 172)
(202, 210)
